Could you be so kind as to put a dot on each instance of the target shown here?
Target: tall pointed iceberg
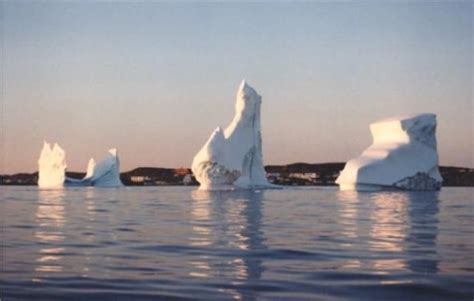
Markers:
(233, 157)
(403, 156)
(52, 166)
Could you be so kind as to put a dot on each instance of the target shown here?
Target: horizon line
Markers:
(266, 165)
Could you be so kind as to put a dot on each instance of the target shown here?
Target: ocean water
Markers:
(176, 243)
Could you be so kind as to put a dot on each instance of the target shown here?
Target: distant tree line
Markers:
(296, 174)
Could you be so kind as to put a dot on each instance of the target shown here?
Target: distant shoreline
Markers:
(295, 174)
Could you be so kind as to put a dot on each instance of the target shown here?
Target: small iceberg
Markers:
(52, 170)
(52, 166)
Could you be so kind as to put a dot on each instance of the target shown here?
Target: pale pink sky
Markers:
(154, 79)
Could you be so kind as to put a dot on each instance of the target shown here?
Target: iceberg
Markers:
(105, 173)
(403, 156)
(52, 166)
(232, 158)
(52, 170)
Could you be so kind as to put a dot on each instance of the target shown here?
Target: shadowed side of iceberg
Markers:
(105, 173)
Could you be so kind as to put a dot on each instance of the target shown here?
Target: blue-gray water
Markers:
(174, 243)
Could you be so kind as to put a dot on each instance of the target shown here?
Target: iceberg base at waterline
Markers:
(403, 156)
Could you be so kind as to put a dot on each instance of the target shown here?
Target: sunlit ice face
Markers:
(247, 101)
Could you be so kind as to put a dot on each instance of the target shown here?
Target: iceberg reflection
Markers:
(348, 224)
(399, 228)
(229, 220)
(50, 217)
(389, 221)
(389, 227)
(423, 233)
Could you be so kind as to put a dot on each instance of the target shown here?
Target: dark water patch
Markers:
(125, 229)
(177, 249)
(398, 290)
(337, 276)
(87, 233)
(287, 254)
(125, 256)
(150, 270)
(23, 226)
(77, 245)
(86, 292)
(101, 210)
(112, 202)
(274, 286)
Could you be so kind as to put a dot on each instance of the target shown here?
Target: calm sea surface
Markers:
(175, 243)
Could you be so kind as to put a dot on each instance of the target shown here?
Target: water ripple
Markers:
(173, 243)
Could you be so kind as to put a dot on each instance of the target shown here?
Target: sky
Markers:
(154, 79)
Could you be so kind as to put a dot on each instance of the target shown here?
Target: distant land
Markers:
(296, 174)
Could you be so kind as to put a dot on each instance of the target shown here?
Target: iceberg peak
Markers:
(246, 91)
(243, 84)
(113, 152)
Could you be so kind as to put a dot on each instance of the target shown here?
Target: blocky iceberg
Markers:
(232, 158)
(52, 166)
(52, 170)
(403, 155)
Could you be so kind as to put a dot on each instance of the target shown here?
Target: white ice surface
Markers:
(52, 166)
(52, 170)
(106, 173)
(233, 158)
(90, 169)
(403, 155)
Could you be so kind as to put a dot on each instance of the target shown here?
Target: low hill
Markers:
(291, 174)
